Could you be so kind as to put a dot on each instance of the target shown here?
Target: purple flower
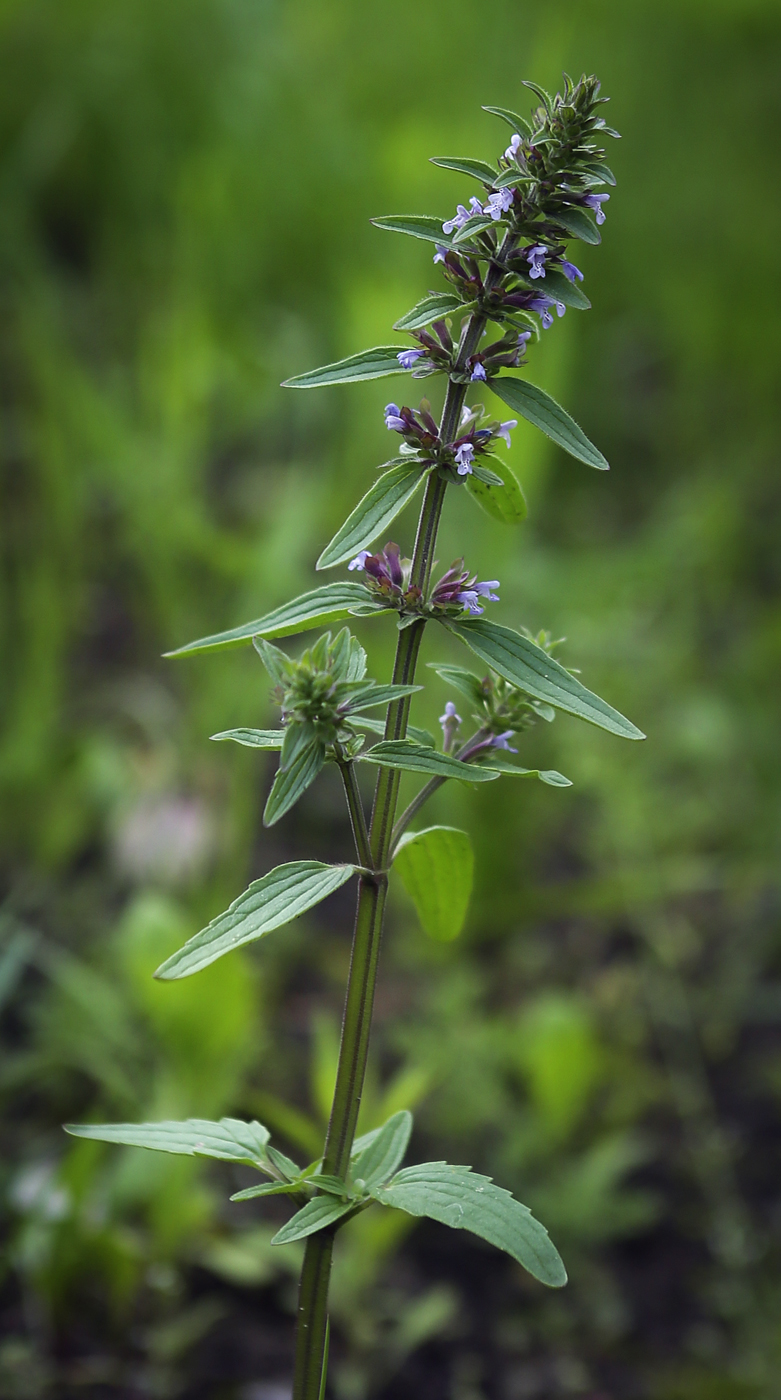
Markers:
(392, 419)
(536, 258)
(448, 718)
(542, 305)
(468, 597)
(441, 252)
(461, 215)
(503, 431)
(478, 372)
(499, 741)
(512, 149)
(407, 358)
(595, 201)
(360, 559)
(571, 271)
(464, 455)
(498, 203)
(483, 590)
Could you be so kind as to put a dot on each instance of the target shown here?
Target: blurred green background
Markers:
(185, 194)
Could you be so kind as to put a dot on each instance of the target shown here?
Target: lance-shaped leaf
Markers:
(292, 780)
(517, 123)
(416, 758)
(417, 226)
(464, 1200)
(369, 364)
(432, 308)
(268, 1188)
(436, 868)
(316, 1214)
(478, 223)
(468, 684)
(526, 665)
(275, 899)
(381, 504)
(559, 286)
(543, 411)
(513, 770)
(604, 172)
(331, 603)
(505, 502)
(254, 738)
(378, 1159)
(230, 1140)
(480, 169)
(578, 223)
(377, 726)
(380, 695)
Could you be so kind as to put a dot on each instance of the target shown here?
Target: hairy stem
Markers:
(355, 808)
(367, 934)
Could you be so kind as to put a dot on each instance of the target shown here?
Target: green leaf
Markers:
(436, 867)
(578, 223)
(484, 475)
(598, 167)
(377, 726)
(381, 504)
(316, 1215)
(275, 899)
(480, 169)
(505, 502)
(462, 1199)
(292, 781)
(526, 665)
(513, 770)
(230, 1140)
(477, 224)
(417, 758)
(417, 226)
(379, 1158)
(267, 1188)
(469, 685)
(254, 738)
(432, 308)
(331, 603)
(380, 695)
(543, 411)
(518, 124)
(369, 364)
(569, 292)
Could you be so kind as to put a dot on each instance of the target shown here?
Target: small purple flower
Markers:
(441, 252)
(461, 215)
(392, 419)
(407, 358)
(571, 271)
(512, 149)
(359, 560)
(468, 597)
(464, 455)
(498, 203)
(503, 431)
(595, 202)
(447, 719)
(499, 741)
(483, 590)
(478, 372)
(536, 258)
(542, 305)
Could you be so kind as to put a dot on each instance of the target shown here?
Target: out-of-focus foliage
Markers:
(185, 192)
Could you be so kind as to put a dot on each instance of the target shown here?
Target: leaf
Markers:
(480, 169)
(379, 1158)
(377, 726)
(436, 867)
(518, 124)
(468, 684)
(578, 223)
(267, 1188)
(464, 1200)
(381, 504)
(477, 224)
(380, 695)
(431, 308)
(331, 603)
(369, 364)
(254, 738)
(230, 1140)
(292, 781)
(526, 665)
(275, 899)
(569, 292)
(598, 167)
(505, 502)
(483, 474)
(543, 411)
(417, 226)
(513, 770)
(316, 1215)
(416, 758)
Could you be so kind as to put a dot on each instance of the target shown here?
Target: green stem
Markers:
(355, 808)
(367, 934)
(421, 798)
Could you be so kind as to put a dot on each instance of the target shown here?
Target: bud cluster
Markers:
(388, 577)
(457, 459)
(318, 689)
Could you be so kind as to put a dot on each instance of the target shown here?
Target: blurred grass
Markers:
(184, 202)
